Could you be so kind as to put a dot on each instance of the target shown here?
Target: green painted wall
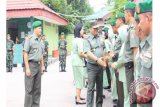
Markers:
(69, 39)
(51, 32)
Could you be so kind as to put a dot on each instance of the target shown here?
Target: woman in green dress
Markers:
(78, 62)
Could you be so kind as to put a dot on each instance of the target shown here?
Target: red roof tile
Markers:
(15, 5)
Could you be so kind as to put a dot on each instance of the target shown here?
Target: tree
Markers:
(118, 6)
(70, 8)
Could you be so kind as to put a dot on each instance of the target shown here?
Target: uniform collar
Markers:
(92, 36)
(142, 43)
(36, 38)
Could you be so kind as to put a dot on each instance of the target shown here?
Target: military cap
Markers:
(62, 33)
(144, 7)
(105, 28)
(129, 5)
(36, 24)
(120, 15)
(93, 25)
(96, 27)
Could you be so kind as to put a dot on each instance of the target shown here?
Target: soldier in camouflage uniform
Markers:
(9, 57)
(46, 49)
(62, 52)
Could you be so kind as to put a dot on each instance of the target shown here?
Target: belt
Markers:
(95, 64)
(9, 50)
(129, 65)
(38, 62)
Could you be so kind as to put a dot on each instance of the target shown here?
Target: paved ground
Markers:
(57, 88)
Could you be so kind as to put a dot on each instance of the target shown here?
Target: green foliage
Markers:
(118, 4)
(71, 8)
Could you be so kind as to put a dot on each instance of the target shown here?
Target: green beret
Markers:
(36, 24)
(144, 7)
(120, 15)
(62, 33)
(105, 28)
(129, 5)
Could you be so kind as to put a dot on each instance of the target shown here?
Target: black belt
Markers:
(95, 64)
(9, 50)
(129, 65)
(38, 62)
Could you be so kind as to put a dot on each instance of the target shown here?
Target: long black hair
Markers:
(77, 30)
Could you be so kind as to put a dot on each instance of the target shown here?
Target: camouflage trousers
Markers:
(62, 61)
(9, 59)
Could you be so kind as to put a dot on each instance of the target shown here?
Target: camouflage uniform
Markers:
(9, 57)
(62, 53)
(45, 55)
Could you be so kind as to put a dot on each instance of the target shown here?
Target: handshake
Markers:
(101, 62)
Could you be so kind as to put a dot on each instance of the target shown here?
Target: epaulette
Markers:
(28, 38)
(130, 27)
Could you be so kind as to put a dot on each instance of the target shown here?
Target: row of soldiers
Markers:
(124, 51)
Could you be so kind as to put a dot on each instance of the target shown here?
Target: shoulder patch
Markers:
(132, 33)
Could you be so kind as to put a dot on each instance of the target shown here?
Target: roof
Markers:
(100, 14)
(20, 8)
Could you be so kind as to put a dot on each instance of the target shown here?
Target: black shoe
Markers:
(80, 98)
(80, 102)
(109, 90)
(115, 105)
(107, 87)
(115, 101)
(103, 96)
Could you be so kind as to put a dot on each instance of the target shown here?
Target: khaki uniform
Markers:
(95, 72)
(35, 49)
(131, 42)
